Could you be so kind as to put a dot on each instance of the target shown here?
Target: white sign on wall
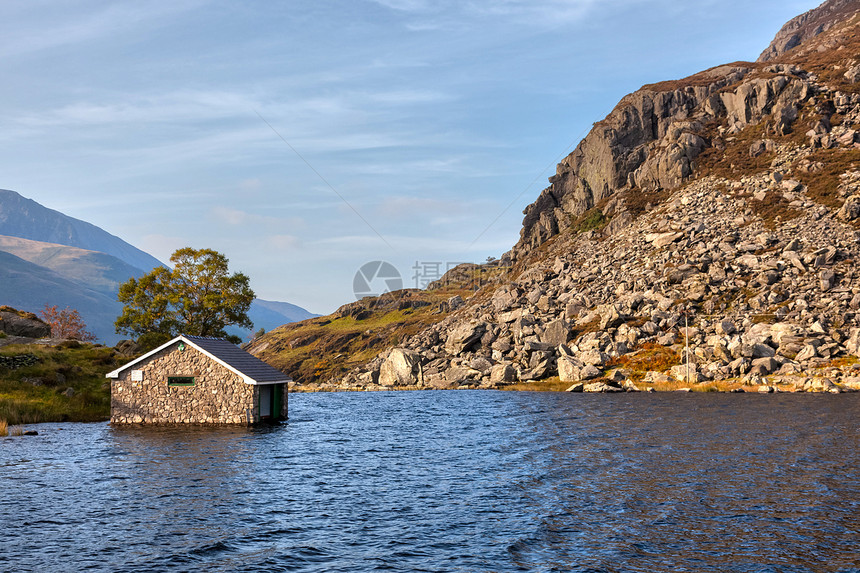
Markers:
(137, 375)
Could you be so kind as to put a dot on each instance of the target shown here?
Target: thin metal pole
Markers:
(687, 344)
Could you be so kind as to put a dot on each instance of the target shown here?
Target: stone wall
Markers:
(218, 396)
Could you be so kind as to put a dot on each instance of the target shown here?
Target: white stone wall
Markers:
(218, 396)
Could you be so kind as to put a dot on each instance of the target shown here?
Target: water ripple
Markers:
(450, 481)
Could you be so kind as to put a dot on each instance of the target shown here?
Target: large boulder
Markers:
(601, 387)
(569, 369)
(609, 316)
(401, 368)
(852, 345)
(556, 333)
(463, 336)
(503, 373)
(850, 209)
(128, 348)
(15, 323)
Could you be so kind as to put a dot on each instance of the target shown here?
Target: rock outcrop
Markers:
(807, 26)
(652, 138)
(23, 324)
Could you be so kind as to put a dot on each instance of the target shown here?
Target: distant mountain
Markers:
(28, 286)
(24, 218)
(95, 270)
(270, 314)
(49, 258)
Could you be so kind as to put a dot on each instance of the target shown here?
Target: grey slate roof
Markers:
(244, 362)
(252, 369)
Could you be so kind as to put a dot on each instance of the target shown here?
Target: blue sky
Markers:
(306, 138)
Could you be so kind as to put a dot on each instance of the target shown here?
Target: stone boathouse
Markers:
(198, 380)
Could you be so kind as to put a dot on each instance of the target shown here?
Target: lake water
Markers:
(449, 481)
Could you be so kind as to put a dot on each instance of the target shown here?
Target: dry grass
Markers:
(650, 356)
(822, 185)
(553, 384)
(829, 64)
(320, 349)
(773, 209)
(37, 393)
(733, 158)
(7, 430)
(842, 362)
(21, 313)
(711, 386)
(469, 277)
(638, 201)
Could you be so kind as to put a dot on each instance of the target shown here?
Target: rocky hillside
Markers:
(16, 324)
(704, 235)
(44, 379)
(319, 351)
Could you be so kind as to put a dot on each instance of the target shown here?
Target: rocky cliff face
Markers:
(807, 26)
(622, 151)
(652, 138)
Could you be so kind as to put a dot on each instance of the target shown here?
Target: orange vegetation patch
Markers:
(842, 362)
(773, 209)
(639, 201)
(553, 384)
(730, 157)
(822, 183)
(650, 356)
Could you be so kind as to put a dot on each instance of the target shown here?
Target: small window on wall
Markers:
(180, 380)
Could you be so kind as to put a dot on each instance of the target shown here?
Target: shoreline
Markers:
(797, 385)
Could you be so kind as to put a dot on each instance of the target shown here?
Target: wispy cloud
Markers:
(453, 14)
(416, 246)
(240, 218)
(405, 5)
(348, 120)
(50, 26)
(182, 106)
(282, 242)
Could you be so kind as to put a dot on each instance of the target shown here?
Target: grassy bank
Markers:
(61, 383)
